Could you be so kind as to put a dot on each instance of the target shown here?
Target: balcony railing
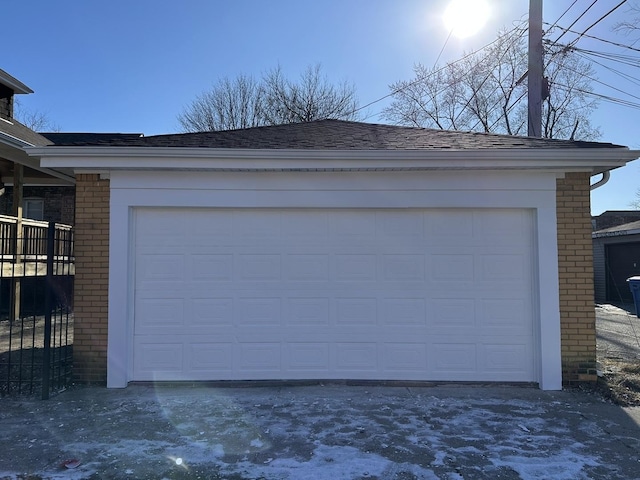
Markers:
(24, 253)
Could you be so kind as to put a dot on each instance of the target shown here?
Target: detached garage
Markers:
(334, 250)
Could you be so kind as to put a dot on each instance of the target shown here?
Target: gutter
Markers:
(21, 157)
(606, 175)
(618, 233)
(83, 158)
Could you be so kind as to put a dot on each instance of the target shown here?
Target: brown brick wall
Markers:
(59, 202)
(575, 265)
(92, 279)
(577, 313)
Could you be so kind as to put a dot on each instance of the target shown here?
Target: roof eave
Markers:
(13, 83)
(18, 155)
(595, 160)
(617, 233)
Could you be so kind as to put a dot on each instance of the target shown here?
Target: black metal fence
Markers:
(36, 307)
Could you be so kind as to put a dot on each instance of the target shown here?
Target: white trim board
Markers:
(458, 189)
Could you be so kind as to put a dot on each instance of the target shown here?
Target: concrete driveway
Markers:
(332, 431)
(618, 332)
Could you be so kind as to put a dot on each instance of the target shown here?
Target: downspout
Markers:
(605, 178)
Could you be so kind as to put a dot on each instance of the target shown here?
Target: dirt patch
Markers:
(619, 382)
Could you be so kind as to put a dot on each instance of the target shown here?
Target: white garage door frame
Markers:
(335, 190)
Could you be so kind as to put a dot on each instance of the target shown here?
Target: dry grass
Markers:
(619, 382)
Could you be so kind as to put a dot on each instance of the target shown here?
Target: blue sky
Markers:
(132, 65)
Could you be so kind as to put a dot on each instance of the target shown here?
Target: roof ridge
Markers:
(338, 134)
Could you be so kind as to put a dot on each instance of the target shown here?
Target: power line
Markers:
(599, 39)
(513, 41)
(598, 21)
(601, 82)
(626, 76)
(563, 14)
(575, 21)
(606, 98)
(418, 80)
(628, 60)
(622, 59)
(443, 47)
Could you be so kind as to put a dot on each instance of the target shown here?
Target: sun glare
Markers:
(466, 17)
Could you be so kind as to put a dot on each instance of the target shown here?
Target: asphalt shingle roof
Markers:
(620, 228)
(337, 135)
(80, 138)
(17, 130)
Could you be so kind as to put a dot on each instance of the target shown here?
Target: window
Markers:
(33, 208)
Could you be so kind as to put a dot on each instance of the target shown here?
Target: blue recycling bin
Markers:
(634, 285)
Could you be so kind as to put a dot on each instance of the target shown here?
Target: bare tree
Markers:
(244, 102)
(631, 24)
(483, 92)
(312, 97)
(34, 119)
(230, 104)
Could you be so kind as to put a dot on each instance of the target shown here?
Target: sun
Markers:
(464, 18)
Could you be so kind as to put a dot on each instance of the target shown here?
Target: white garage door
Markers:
(407, 294)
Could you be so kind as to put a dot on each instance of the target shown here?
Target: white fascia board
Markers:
(16, 154)
(13, 83)
(177, 158)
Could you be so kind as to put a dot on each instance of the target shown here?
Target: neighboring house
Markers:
(614, 218)
(46, 194)
(334, 250)
(616, 257)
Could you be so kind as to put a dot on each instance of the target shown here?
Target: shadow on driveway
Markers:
(329, 431)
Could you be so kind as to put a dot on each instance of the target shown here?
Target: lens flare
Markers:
(466, 17)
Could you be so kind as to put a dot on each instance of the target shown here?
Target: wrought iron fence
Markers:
(36, 307)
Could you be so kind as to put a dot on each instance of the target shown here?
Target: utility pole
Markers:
(534, 82)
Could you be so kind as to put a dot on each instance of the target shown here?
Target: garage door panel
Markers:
(499, 358)
(259, 311)
(308, 312)
(211, 356)
(372, 294)
(160, 267)
(453, 312)
(259, 356)
(159, 313)
(155, 357)
(355, 357)
(445, 226)
(403, 267)
(503, 226)
(504, 267)
(211, 267)
(211, 312)
(453, 267)
(403, 312)
(405, 356)
(257, 227)
(311, 356)
(309, 229)
(400, 228)
(309, 267)
(505, 313)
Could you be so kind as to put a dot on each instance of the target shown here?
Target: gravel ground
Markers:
(321, 432)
